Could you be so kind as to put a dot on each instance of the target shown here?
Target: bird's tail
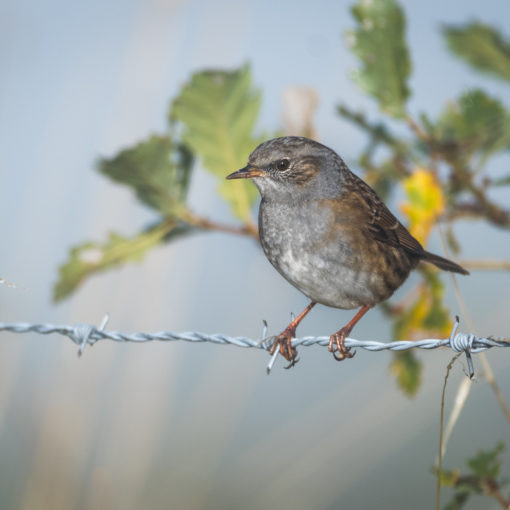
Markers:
(443, 263)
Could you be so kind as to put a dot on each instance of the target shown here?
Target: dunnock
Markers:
(328, 233)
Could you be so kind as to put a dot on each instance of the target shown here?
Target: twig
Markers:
(489, 265)
(491, 488)
(417, 130)
(462, 177)
(441, 422)
(247, 229)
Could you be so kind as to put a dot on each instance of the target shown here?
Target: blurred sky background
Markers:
(202, 426)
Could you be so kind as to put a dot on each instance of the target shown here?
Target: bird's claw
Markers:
(284, 342)
(337, 345)
(344, 355)
(292, 363)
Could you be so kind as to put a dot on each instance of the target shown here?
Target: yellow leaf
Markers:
(426, 314)
(408, 371)
(425, 202)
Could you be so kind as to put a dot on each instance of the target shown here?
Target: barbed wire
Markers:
(83, 334)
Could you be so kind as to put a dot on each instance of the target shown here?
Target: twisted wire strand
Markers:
(83, 334)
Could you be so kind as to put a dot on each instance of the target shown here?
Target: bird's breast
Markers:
(320, 255)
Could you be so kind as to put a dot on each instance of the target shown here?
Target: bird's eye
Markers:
(283, 164)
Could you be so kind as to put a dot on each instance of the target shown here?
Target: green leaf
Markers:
(487, 463)
(427, 313)
(90, 257)
(156, 169)
(463, 489)
(481, 46)
(218, 110)
(379, 42)
(408, 371)
(458, 501)
(448, 478)
(486, 467)
(477, 122)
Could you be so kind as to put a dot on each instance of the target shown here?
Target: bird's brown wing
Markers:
(368, 212)
(381, 223)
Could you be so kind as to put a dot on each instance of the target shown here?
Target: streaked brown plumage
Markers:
(328, 233)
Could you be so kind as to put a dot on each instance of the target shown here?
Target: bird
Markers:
(327, 232)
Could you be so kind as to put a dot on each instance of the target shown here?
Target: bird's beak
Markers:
(246, 173)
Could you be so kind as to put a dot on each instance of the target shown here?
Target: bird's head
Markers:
(289, 165)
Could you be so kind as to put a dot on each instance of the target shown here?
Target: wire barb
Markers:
(83, 334)
(463, 342)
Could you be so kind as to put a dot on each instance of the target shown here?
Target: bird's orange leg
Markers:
(284, 339)
(337, 340)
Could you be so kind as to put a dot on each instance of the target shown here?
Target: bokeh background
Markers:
(177, 425)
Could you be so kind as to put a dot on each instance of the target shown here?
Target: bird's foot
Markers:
(284, 342)
(337, 345)
(284, 339)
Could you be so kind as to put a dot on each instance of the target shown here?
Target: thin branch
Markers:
(482, 485)
(463, 179)
(477, 211)
(488, 265)
(378, 132)
(246, 229)
(491, 211)
(490, 487)
(418, 131)
(441, 423)
(463, 176)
